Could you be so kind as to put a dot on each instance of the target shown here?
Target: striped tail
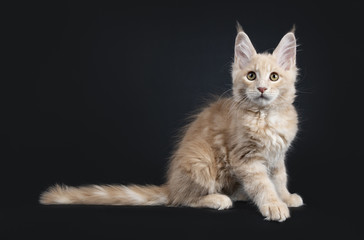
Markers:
(106, 195)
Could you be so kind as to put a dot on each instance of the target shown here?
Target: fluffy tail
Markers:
(106, 195)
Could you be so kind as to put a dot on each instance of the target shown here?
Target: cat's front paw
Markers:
(293, 200)
(275, 211)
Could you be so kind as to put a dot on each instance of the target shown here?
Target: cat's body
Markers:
(233, 150)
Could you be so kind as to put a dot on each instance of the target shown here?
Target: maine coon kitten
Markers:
(233, 150)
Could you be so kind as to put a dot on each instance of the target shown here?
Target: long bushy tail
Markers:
(106, 195)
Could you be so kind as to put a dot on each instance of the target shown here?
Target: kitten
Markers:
(233, 150)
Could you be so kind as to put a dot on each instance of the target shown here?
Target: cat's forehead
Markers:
(264, 63)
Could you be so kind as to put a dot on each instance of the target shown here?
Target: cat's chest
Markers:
(274, 131)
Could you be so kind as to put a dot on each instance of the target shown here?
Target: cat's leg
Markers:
(216, 200)
(279, 178)
(188, 192)
(258, 186)
(195, 189)
(192, 177)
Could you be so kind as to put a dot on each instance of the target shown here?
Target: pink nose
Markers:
(262, 89)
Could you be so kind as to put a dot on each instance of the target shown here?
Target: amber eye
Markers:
(274, 76)
(251, 76)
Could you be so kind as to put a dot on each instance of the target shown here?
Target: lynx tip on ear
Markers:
(293, 29)
(239, 28)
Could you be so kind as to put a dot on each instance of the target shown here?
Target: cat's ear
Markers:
(286, 51)
(244, 49)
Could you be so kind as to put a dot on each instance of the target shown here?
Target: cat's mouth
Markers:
(263, 96)
(263, 99)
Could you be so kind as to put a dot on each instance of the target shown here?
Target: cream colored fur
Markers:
(233, 150)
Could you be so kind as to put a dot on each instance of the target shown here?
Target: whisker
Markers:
(305, 92)
(237, 105)
(222, 95)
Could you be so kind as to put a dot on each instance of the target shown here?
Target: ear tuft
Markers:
(286, 51)
(244, 49)
(239, 28)
(293, 29)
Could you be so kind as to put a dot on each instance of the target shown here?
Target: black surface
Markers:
(70, 222)
(95, 93)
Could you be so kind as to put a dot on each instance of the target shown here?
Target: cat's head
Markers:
(263, 80)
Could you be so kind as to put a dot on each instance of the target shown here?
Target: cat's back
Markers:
(212, 119)
(207, 131)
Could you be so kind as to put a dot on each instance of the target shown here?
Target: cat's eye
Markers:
(251, 76)
(274, 76)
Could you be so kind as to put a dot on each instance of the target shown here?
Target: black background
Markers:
(95, 92)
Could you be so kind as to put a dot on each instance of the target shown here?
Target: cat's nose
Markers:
(262, 89)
